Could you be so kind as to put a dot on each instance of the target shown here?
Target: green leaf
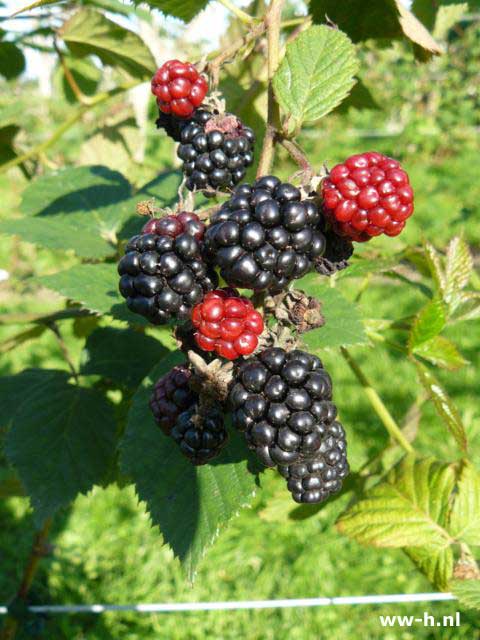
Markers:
(435, 266)
(382, 19)
(458, 269)
(443, 404)
(428, 323)
(435, 563)
(94, 287)
(122, 355)
(185, 10)
(12, 60)
(465, 516)
(89, 32)
(361, 267)
(441, 352)
(447, 17)
(79, 208)
(7, 136)
(189, 504)
(343, 325)
(61, 438)
(467, 592)
(85, 73)
(409, 509)
(316, 73)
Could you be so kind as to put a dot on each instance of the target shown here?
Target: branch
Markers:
(74, 118)
(273, 26)
(380, 409)
(81, 97)
(37, 552)
(241, 15)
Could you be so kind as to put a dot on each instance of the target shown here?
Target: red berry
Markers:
(366, 195)
(246, 343)
(179, 88)
(174, 225)
(227, 324)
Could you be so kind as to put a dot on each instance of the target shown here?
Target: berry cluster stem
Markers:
(377, 403)
(273, 25)
(37, 552)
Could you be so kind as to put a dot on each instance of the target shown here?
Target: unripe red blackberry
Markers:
(227, 324)
(172, 396)
(164, 276)
(174, 225)
(264, 236)
(216, 151)
(367, 195)
(179, 88)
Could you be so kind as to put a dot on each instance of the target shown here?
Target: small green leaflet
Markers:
(441, 352)
(458, 269)
(467, 592)
(465, 516)
(446, 409)
(410, 509)
(189, 504)
(89, 32)
(343, 325)
(61, 437)
(428, 323)
(316, 74)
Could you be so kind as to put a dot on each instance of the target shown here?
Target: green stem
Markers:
(380, 409)
(241, 15)
(74, 118)
(37, 552)
(273, 24)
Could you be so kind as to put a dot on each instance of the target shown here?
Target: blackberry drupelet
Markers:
(265, 236)
(172, 396)
(200, 435)
(163, 277)
(338, 250)
(174, 126)
(216, 151)
(316, 479)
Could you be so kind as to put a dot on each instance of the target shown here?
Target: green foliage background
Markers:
(105, 550)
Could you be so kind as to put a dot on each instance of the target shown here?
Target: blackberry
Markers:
(216, 151)
(338, 250)
(265, 236)
(179, 88)
(164, 277)
(315, 479)
(200, 435)
(171, 396)
(174, 126)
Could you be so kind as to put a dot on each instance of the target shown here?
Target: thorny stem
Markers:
(273, 24)
(241, 15)
(297, 155)
(380, 409)
(74, 118)
(37, 552)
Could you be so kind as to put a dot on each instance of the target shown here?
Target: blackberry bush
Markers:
(265, 236)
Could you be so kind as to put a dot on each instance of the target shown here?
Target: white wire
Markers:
(241, 604)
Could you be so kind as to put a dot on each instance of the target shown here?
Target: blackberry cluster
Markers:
(265, 236)
(174, 126)
(164, 277)
(200, 435)
(282, 402)
(215, 150)
(172, 396)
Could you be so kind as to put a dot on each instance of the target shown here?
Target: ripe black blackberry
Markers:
(172, 396)
(282, 402)
(174, 126)
(338, 250)
(164, 277)
(264, 236)
(315, 480)
(200, 434)
(216, 151)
